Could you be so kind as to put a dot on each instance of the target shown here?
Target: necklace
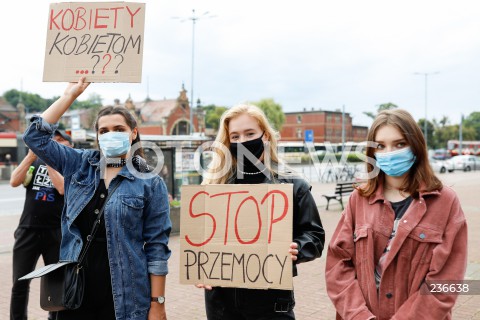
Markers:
(116, 163)
(252, 173)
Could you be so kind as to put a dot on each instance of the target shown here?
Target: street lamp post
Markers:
(164, 126)
(426, 74)
(194, 18)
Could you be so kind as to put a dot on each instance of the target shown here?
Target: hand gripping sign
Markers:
(100, 40)
(236, 235)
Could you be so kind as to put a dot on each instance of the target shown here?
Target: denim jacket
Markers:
(137, 218)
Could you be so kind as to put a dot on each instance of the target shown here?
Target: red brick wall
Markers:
(360, 133)
(13, 124)
(326, 126)
(150, 129)
(177, 114)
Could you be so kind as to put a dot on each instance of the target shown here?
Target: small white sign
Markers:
(79, 135)
(75, 122)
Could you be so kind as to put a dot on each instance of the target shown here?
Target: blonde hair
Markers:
(220, 154)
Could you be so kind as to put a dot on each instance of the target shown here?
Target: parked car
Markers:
(441, 166)
(466, 162)
(441, 154)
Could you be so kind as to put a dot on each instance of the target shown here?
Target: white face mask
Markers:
(114, 144)
(395, 163)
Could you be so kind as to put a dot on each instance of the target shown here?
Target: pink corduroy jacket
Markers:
(430, 245)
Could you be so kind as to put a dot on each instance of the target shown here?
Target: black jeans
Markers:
(30, 244)
(249, 304)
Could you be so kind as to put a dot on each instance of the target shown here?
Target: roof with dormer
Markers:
(154, 111)
(6, 106)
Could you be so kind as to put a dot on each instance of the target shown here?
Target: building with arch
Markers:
(167, 116)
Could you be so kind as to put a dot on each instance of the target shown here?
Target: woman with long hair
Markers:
(245, 152)
(401, 234)
(126, 264)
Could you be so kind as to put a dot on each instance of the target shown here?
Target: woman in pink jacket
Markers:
(402, 235)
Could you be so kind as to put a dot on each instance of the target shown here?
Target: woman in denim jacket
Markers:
(126, 265)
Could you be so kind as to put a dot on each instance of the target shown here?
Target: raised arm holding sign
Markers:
(136, 213)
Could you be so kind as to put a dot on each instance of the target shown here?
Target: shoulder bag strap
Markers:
(91, 236)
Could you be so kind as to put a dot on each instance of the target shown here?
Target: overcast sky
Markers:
(303, 54)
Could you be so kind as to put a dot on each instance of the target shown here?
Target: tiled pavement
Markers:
(186, 302)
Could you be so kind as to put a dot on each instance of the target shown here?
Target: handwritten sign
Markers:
(100, 40)
(236, 235)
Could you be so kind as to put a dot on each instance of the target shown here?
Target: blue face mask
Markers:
(395, 163)
(114, 144)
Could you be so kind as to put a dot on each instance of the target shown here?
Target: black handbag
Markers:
(62, 284)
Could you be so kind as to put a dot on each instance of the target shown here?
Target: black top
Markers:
(89, 214)
(401, 207)
(308, 231)
(98, 286)
(43, 204)
(251, 174)
(250, 178)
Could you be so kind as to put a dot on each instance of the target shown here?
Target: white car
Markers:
(466, 163)
(441, 166)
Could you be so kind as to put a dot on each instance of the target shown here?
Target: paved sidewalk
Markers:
(312, 302)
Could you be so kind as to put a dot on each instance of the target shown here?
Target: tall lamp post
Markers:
(194, 18)
(426, 74)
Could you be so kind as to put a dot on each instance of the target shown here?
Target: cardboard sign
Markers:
(237, 235)
(100, 40)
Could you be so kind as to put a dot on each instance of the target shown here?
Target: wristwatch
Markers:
(160, 299)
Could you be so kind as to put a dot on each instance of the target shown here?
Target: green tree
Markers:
(273, 111)
(472, 121)
(94, 100)
(468, 133)
(444, 121)
(213, 114)
(380, 107)
(33, 102)
(430, 130)
(442, 132)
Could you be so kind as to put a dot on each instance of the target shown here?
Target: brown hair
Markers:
(129, 120)
(421, 174)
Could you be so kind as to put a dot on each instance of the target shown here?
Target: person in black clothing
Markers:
(245, 131)
(38, 232)
(98, 298)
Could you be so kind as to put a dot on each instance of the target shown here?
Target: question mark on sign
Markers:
(98, 60)
(116, 70)
(109, 59)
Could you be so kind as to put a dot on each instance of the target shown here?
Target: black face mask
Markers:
(255, 147)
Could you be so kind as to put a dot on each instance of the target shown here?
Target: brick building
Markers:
(9, 117)
(167, 116)
(154, 117)
(84, 118)
(326, 126)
